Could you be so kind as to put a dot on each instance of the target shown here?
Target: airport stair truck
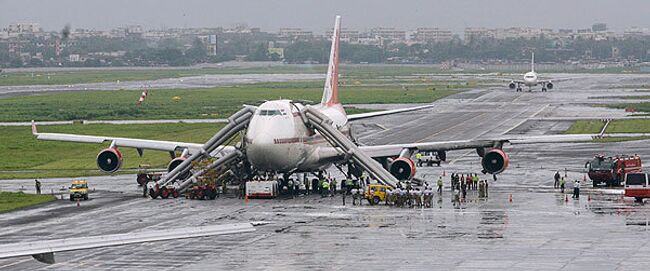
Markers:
(317, 120)
(237, 122)
(611, 170)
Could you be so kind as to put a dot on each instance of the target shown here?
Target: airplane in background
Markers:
(531, 79)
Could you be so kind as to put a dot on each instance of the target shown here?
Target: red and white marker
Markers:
(142, 97)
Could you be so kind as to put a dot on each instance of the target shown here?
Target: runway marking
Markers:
(526, 119)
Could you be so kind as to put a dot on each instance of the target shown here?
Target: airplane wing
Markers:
(43, 251)
(387, 112)
(140, 144)
(396, 149)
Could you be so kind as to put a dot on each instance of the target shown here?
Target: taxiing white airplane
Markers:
(531, 79)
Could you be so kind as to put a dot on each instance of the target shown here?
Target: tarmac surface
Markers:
(537, 230)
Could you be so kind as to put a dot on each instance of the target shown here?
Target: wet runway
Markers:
(537, 230)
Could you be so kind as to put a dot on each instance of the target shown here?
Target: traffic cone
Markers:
(510, 198)
(78, 203)
(588, 197)
(246, 199)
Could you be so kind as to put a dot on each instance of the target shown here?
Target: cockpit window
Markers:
(529, 76)
(270, 113)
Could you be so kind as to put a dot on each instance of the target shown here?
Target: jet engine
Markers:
(549, 85)
(174, 163)
(495, 161)
(109, 160)
(512, 85)
(402, 168)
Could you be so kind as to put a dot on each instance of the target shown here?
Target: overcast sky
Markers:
(317, 16)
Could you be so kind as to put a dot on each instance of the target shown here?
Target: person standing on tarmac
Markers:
(439, 185)
(343, 196)
(37, 184)
(556, 182)
(576, 189)
(333, 186)
(562, 184)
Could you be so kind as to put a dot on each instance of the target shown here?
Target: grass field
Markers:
(10, 201)
(62, 159)
(202, 103)
(616, 126)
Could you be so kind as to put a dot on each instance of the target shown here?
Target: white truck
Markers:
(262, 189)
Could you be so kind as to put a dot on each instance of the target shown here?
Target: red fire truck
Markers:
(611, 170)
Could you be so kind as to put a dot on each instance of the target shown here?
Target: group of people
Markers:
(322, 186)
(460, 184)
(560, 183)
(410, 197)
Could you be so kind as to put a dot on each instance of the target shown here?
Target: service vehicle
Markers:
(637, 186)
(78, 190)
(611, 170)
(428, 159)
(262, 189)
(376, 193)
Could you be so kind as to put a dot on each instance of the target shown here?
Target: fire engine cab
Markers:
(611, 170)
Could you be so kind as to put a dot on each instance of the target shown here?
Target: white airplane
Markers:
(278, 139)
(531, 79)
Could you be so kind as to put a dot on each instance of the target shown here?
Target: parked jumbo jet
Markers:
(531, 79)
(278, 139)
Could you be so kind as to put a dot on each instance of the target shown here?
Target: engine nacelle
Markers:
(402, 168)
(109, 160)
(512, 85)
(174, 163)
(495, 161)
(549, 85)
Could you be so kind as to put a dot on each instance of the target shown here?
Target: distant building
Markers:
(388, 34)
(599, 27)
(431, 34)
(295, 34)
(476, 33)
(133, 30)
(347, 35)
(210, 42)
(21, 28)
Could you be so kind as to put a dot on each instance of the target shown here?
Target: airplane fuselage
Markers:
(530, 79)
(278, 139)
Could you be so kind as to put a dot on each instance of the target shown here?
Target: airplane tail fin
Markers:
(331, 91)
(532, 62)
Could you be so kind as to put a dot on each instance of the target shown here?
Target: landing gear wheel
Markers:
(153, 193)
(175, 194)
(519, 89)
(638, 199)
(164, 193)
(543, 89)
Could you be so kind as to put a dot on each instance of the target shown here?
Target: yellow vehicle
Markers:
(376, 193)
(79, 190)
